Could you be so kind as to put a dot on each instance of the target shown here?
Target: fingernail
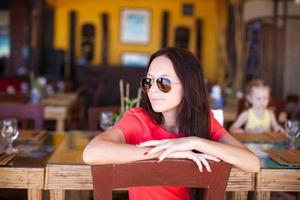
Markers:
(146, 153)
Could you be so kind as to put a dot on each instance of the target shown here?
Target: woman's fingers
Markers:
(197, 158)
(205, 163)
(166, 153)
(193, 157)
(159, 148)
(151, 143)
(209, 157)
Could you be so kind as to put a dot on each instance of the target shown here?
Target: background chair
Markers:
(94, 114)
(77, 111)
(23, 112)
(292, 106)
(18, 97)
(170, 172)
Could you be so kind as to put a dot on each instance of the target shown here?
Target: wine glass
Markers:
(292, 131)
(9, 131)
(106, 120)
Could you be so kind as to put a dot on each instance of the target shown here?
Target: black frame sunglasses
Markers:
(164, 84)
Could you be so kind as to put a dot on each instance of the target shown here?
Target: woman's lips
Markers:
(156, 99)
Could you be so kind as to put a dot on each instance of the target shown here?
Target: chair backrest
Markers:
(18, 97)
(170, 172)
(95, 112)
(23, 111)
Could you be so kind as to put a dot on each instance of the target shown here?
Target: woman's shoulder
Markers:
(139, 113)
(136, 111)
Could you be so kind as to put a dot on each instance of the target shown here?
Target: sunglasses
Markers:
(163, 84)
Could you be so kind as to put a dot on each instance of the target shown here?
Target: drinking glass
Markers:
(292, 131)
(106, 120)
(9, 131)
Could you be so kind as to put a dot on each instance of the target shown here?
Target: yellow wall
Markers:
(88, 11)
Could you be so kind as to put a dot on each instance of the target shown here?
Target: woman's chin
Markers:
(158, 109)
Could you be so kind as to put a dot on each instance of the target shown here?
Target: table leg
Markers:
(263, 195)
(34, 194)
(57, 194)
(60, 125)
(242, 195)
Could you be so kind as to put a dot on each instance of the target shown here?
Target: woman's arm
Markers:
(231, 151)
(227, 149)
(275, 126)
(241, 120)
(110, 147)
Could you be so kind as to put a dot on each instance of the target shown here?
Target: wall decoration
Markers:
(165, 28)
(135, 26)
(134, 59)
(4, 41)
(87, 43)
(187, 10)
(182, 37)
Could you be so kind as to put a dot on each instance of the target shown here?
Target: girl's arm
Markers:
(275, 126)
(241, 120)
(109, 147)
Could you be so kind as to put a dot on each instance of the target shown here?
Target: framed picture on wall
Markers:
(4, 41)
(134, 59)
(135, 26)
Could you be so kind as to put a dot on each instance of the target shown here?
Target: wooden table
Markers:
(28, 178)
(66, 171)
(58, 108)
(273, 176)
(28, 172)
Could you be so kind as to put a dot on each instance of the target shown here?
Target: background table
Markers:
(58, 108)
(29, 172)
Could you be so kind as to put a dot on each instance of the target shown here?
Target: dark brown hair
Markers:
(193, 117)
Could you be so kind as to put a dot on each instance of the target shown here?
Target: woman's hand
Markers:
(182, 147)
(199, 158)
(169, 145)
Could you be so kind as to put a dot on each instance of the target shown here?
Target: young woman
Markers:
(174, 122)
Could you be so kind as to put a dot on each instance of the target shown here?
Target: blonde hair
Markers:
(257, 83)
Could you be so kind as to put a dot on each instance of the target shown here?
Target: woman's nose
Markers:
(154, 87)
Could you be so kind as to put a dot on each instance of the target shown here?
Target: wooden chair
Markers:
(18, 97)
(170, 172)
(77, 117)
(23, 112)
(94, 115)
(292, 106)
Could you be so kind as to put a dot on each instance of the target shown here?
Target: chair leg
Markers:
(214, 194)
(103, 194)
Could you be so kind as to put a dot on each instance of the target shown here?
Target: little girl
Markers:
(258, 118)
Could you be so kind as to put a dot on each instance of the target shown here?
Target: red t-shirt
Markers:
(137, 126)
